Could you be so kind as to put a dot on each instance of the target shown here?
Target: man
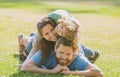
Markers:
(64, 53)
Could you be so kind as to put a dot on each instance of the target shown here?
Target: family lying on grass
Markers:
(56, 48)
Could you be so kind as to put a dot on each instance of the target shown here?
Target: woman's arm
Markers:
(34, 49)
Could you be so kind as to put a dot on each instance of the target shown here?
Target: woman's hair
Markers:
(43, 22)
(42, 44)
(72, 30)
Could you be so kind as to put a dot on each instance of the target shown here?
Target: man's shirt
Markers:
(80, 62)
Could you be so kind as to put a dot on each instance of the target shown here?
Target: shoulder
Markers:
(80, 63)
(36, 58)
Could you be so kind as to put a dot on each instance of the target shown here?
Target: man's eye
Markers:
(61, 52)
(68, 54)
(46, 34)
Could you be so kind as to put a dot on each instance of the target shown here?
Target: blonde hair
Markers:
(73, 30)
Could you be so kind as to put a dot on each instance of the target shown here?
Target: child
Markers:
(70, 29)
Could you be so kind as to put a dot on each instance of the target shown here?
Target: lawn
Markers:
(100, 22)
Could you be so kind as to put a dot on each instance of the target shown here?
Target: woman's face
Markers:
(49, 33)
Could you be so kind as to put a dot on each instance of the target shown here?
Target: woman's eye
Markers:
(52, 29)
(62, 27)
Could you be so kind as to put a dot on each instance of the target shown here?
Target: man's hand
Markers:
(59, 68)
(68, 72)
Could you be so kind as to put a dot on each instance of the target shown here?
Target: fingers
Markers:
(18, 65)
(64, 72)
(65, 68)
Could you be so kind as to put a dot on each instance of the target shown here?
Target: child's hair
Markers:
(72, 30)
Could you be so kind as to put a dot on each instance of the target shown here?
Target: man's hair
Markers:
(64, 41)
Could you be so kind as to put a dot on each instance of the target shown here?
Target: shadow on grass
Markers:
(23, 74)
(16, 55)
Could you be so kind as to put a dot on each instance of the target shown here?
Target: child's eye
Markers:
(62, 27)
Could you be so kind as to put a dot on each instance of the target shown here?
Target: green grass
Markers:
(109, 7)
(100, 31)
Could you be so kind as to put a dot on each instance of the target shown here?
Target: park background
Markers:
(100, 22)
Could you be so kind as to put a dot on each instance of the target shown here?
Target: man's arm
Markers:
(91, 70)
(33, 64)
(32, 67)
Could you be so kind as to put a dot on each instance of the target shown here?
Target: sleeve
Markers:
(54, 16)
(81, 63)
(37, 58)
(57, 14)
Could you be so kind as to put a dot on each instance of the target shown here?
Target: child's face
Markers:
(65, 30)
(60, 30)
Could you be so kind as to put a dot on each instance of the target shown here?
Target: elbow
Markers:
(24, 68)
(100, 73)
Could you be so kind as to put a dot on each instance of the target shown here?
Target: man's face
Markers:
(49, 33)
(64, 54)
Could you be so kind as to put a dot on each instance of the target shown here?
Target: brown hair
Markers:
(42, 44)
(63, 41)
(43, 22)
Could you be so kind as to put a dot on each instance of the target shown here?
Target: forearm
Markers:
(33, 68)
(90, 72)
(32, 52)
